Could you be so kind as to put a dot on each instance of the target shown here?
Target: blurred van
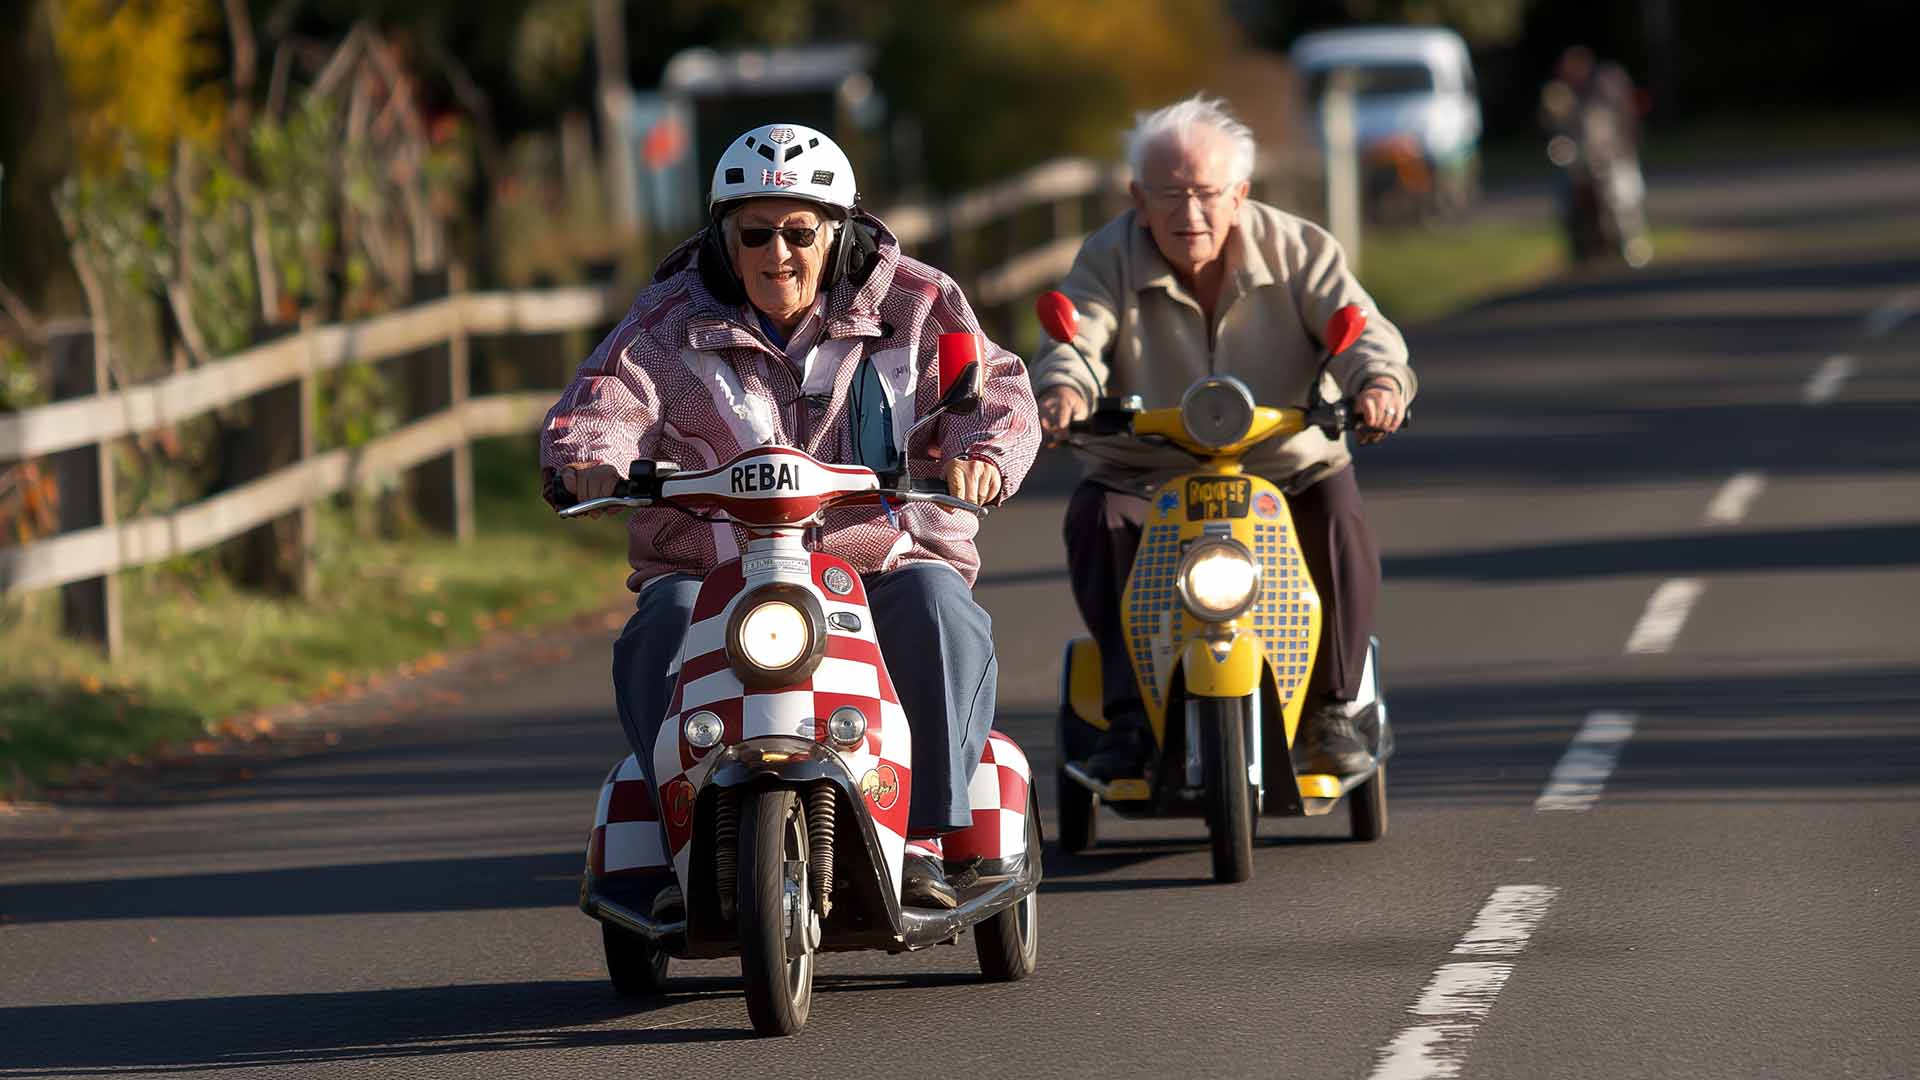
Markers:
(1416, 113)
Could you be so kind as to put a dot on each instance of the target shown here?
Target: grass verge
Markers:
(201, 653)
(1420, 273)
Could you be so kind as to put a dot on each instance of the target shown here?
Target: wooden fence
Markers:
(1003, 243)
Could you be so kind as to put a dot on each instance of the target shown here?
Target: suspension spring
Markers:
(726, 848)
(820, 811)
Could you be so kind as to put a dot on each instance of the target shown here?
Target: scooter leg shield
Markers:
(1000, 795)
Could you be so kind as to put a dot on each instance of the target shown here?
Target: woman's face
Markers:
(782, 277)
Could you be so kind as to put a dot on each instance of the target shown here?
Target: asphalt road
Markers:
(1654, 809)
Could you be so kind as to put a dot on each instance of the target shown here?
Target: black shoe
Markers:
(1122, 751)
(1331, 743)
(923, 883)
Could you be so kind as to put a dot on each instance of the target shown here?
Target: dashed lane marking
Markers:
(1460, 994)
(1825, 383)
(1582, 772)
(1883, 319)
(1735, 497)
(1666, 614)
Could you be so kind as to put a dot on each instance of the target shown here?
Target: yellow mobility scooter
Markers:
(1222, 623)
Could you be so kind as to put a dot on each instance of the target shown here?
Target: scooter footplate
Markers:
(1123, 790)
(1319, 786)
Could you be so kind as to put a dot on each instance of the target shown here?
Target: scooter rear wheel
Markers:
(638, 970)
(1367, 806)
(1079, 828)
(1223, 742)
(771, 910)
(1008, 944)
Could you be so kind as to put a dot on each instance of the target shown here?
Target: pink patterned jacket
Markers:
(689, 379)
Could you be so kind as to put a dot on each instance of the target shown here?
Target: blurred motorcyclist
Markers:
(794, 319)
(1196, 279)
(1591, 114)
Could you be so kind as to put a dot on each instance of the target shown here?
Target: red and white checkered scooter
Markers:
(784, 763)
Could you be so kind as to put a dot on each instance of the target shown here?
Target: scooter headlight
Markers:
(1217, 411)
(776, 636)
(1218, 579)
(703, 730)
(847, 725)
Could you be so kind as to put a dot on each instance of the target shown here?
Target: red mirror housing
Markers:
(963, 371)
(1344, 328)
(1057, 315)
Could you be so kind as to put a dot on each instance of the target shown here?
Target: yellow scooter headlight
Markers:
(1218, 579)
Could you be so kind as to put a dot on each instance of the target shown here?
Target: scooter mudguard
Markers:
(1001, 795)
(1232, 673)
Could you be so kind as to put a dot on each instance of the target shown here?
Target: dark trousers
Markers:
(938, 645)
(1343, 557)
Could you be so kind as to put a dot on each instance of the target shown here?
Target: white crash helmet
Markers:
(789, 161)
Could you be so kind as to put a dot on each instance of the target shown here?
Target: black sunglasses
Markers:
(800, 236)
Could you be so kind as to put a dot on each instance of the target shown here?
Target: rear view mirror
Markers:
(963, 373)
(1057, 315)
(1344, 328)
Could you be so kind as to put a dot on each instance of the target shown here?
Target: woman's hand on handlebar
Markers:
(971, 479)
(1059, 407)
(1379, 411)
(590, 480)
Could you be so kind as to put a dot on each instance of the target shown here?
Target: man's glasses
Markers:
(1207, 197)
(800, 236)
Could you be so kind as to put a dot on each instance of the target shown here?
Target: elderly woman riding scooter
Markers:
(794, 319)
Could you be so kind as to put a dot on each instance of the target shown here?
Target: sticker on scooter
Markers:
(773, 564)
(1210, 498)
(764, 476)
(1266, 505)
(882, 785)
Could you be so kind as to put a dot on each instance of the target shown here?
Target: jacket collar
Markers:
(1247, 265)
(853, 307)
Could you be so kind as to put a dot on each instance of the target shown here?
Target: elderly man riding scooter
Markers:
(1199, 279)
(794, 319)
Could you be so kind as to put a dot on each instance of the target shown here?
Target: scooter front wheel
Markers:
(774, 911)
(1079, 828)
(1367, 807)
(1223, 746)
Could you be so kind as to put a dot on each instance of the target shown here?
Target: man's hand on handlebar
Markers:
(590, 480)
(971, 479)
(1379, 411)
(1059, 407)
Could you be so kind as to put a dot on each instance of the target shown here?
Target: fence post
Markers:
(89, 609)
(278, 555)
(1343, 167)
(438, 380)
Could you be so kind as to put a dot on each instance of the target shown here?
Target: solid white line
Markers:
(1892, 313)
(1460, 994)
(1582, 773)
(1666, 613)
(1735, 496)
(1825, 382)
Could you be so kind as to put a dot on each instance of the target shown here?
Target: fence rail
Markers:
(1002, 243)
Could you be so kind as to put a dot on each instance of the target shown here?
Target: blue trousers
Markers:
(938, 645)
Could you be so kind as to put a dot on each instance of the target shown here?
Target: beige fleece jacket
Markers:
(1141, 332)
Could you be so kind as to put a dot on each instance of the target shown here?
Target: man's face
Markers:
(1186, 193)
(781, 276)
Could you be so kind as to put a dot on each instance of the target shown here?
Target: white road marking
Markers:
(1506, 920)
(1826, 381)
(1460, 994)
(1583, 770)
(1730, 504)
(1892, 313)
(1667, 611)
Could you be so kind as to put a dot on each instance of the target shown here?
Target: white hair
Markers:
(1179, 120)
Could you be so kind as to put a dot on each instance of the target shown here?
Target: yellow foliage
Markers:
(144, 68)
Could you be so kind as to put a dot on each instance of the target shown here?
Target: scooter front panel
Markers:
(1285, 618)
